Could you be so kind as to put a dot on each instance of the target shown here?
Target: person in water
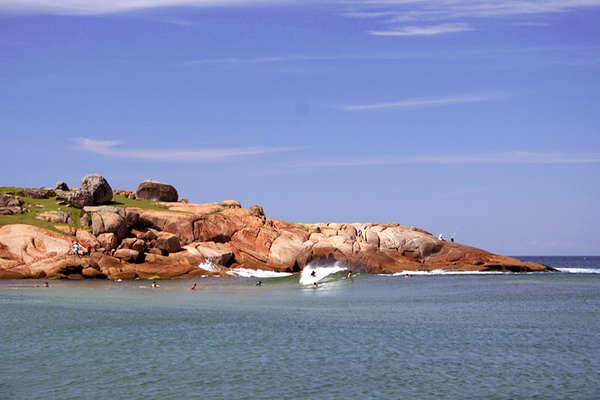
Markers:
(349, 275)
(315, 285)
(154, 285)
(45, 284)
(193, 286)
(259, 283)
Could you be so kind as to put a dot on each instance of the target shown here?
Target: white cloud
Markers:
(517, 157)
(447, 12)
(113, 148)
(410, 103)
(94, 7)
(424, 30)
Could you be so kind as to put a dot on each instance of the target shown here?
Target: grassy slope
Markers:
(36, 206)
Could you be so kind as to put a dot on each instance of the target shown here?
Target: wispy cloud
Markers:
(424, 30)
(113, 148)
(411, 103)
(95, 7)
(446, 13)
(516, 157)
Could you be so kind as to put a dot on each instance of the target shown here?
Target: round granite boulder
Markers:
(156, 191)
(97, 187)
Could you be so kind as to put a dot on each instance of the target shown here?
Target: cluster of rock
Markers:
(10, 205)
(133, 242)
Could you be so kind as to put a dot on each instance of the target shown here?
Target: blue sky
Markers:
(466, 116)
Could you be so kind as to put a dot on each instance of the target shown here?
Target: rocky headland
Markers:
(153, 233)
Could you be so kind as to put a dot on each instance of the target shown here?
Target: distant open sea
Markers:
(506, 336)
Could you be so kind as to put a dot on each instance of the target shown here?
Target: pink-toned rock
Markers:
(217, 252)
(56, 217)
(231, 204)
(29, 243)
(68, 230)
(108, 240)
(168, 242)
(128, 255)
(87, 239)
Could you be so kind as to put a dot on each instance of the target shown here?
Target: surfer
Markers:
(193, 286)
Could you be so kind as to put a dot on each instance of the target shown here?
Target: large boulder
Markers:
(97, 187)
(60, 185)
(112, 219)
(6, 200)
(87, 239)
(168, 242)
(36, 193)
(108, 241)
(80, 199)
(156, 191)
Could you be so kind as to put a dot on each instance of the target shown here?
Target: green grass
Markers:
(122, 201)
(46, 205)
(50, 205)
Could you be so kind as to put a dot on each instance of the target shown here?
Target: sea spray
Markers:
(307, 278)
(208, 266)
(256, 273)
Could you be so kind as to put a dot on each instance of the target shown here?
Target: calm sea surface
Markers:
(429, 337)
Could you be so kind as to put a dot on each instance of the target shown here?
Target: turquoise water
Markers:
(444, 337)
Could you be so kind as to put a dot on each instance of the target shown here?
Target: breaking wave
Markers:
(208, 266)
(256, 273)
(580, 270)
(321, 273)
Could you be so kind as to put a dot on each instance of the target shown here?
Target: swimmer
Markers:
(154, 285)
(349, 275)
(45, 284)
(193, 286)
(313, 273)
(259, 283)
(315, 285)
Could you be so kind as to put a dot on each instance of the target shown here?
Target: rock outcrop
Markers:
(97, 187)
(133, 242)
(156, 191)
(10, 205)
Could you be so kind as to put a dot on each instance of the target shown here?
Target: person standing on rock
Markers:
(75, 248)
(441, 237)
(452, 238)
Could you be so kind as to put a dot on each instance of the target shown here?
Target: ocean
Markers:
(434, 336)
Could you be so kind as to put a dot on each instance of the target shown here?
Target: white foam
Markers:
(580, 270)
(256, 273)
(306, 277)
(208, 266)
